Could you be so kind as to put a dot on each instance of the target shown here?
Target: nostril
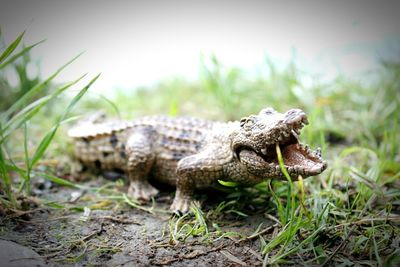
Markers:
(295, 111)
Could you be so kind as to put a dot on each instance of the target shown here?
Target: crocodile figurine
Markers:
(194, 154)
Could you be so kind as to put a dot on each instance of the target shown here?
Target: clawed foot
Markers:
(141, 191)
(181, 206)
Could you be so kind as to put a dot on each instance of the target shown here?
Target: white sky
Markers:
(137, 43)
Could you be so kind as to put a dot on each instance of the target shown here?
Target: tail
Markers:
(86, 126)
(95, 125)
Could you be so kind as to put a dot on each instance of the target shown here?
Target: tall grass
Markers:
(18, 116)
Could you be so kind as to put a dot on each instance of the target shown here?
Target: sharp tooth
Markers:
(290, 169)
(264, 151)
(277, 167)
(318, 152)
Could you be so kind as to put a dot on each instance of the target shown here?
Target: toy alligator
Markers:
(194, 154)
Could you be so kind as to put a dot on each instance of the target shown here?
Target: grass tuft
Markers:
(19, 115)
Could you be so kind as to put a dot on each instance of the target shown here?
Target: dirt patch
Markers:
(114, 234)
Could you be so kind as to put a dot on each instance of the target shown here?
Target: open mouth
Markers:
(298, 159)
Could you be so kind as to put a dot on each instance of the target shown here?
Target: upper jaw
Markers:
(298, 159)
(287, 128)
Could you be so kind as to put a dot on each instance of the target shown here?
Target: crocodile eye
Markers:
(247, 122)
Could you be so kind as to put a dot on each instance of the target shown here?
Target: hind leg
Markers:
(140, 161)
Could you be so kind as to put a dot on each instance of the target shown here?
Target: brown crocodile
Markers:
(194, 154)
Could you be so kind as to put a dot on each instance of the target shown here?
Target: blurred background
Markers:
(337, 61)
(139, 43)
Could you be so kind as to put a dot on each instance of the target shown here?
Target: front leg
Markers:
(140, 160)
(196, 172)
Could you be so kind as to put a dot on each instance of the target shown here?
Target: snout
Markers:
(295, 116)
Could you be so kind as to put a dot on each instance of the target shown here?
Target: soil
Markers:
(119, 235)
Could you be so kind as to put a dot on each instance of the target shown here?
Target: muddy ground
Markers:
(115, 234)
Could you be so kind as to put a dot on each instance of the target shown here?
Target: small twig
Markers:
(367, 220)
(19, 213)
(272, 218)
(257, 255)
(192, 255)
(47, 220)
(52, 255)
(115, 219)
(97, 232)
(26, 258)
(255, 235)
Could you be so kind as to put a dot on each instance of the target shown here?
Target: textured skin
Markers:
(194, 154)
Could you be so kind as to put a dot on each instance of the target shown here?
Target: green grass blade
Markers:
(29, 111)
(24, 115)
(79, 96)
(34, 91)
(19, 54)
(50, 135)
(306, 241)
(279, 205)
(290, 200)
(228, 183)
(114, 107)
(47, 176)
(57, 180)
(43, 146)
(27, 175)
(11, 47)
(112, 104)
(375, 246)
(5, 178)
(280, 238)
(282, 164)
